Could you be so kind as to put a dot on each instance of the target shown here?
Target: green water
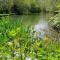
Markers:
(33, 19)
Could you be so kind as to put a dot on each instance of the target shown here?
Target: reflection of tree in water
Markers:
(41, 29)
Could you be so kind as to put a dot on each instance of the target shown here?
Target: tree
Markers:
(5, 6)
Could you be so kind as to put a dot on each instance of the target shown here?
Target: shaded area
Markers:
(28, 7)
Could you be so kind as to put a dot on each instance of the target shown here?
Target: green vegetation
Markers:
(55, 22)
(17, 42)
(28, 6)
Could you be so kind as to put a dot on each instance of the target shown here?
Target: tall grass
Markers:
(17, 42)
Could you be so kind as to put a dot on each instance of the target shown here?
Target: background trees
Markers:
(28, 6)
(5, 6)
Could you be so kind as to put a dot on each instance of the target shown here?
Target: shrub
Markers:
(5, 6)
(34, 9)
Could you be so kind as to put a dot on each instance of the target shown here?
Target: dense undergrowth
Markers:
(28, 6)
(55, 22)
(17, 42)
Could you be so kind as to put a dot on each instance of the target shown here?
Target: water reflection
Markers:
(41, 28)
(39, 21)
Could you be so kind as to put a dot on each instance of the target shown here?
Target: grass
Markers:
(17, 42)
(55, 22)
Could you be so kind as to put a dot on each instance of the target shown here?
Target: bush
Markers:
(55, 22)
(5, 6)
(18, 6)
(34, 9)
(27, 6)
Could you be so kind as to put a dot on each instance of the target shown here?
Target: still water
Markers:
(39, 22)
(33, 19)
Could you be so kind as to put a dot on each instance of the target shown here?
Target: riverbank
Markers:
(17, 41)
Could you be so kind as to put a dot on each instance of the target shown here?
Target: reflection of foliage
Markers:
(17, 42)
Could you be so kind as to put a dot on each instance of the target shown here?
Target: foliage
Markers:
(17, 43)
(5, 6)
(28, 6)
(55, 22)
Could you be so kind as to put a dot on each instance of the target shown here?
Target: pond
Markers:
(39, 22)
(33, 19)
